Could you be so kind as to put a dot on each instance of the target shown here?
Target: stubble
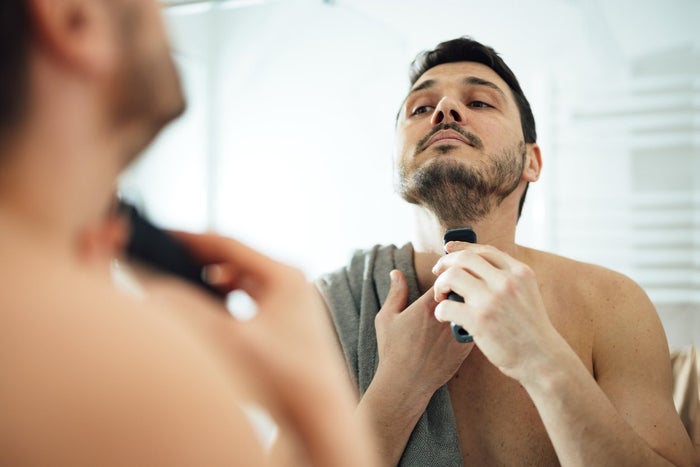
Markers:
(461, 193)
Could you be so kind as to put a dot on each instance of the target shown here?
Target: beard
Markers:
(460, 194)
(146, 90)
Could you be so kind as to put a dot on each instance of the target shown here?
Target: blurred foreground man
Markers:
(91, 375)
(569, 363)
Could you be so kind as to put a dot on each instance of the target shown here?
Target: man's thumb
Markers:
(397, 298)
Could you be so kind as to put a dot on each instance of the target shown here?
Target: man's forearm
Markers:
(325, 423)
(584, 426)
(392, 410)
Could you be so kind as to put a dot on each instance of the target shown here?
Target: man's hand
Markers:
(417, 355)
(412, 342)
(502, 308)
(589, 421)
(288, 330)
(290, 350)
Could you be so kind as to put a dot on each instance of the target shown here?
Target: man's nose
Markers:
(448, 110)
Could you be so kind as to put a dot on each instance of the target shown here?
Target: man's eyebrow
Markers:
(474, 81)
(424, 85)
(469, 81)
(428, 83)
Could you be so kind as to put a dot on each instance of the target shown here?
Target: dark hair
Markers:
(15, 33)
(465, 49)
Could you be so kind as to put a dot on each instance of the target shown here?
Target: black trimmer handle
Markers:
(462, 234)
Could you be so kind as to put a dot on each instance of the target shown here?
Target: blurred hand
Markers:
(288, 344)
(290, 351)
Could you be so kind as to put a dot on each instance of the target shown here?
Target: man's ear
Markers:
(78, 33)
(533, 163)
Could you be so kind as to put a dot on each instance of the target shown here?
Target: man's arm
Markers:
(626, 417)
(288, 448)
(633, 368)
(289, 350)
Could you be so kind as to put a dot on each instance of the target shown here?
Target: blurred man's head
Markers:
(147, 85)
(117, 48)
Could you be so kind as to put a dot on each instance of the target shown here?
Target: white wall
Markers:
(288, 141)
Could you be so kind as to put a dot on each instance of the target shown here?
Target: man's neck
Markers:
(55, 182)
(496, 230)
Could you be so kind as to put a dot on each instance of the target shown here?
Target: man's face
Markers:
(460, 143)
(146, 89)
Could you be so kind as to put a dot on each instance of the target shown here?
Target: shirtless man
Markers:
(90, 375)
(569, 363)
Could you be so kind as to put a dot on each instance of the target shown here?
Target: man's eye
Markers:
(421, 110)
(479, 104)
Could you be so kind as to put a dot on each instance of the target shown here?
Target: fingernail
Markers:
(212, 274)
(393, 275)
(438, 313)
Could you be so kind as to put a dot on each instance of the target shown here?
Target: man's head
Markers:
(466, 133)
(114, 50)
(146, 87)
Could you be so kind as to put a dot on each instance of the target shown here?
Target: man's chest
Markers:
(496, 421)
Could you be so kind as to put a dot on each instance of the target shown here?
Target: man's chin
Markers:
(176, 109)
(450, 190)
(148, 132)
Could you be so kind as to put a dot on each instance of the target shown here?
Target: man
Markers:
(569, 363)
(90, 375)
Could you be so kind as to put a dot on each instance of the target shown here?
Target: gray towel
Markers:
(354, 295)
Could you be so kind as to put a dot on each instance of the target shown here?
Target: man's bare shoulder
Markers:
(89, 372)
(591, 281)
(591, 303)
(43, 287)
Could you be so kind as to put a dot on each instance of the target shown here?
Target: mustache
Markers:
(470, 137)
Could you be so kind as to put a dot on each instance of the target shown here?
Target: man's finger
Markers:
(397, 298)
(244, 267)
(214, 249)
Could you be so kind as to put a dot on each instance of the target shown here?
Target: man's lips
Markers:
(446, 136)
